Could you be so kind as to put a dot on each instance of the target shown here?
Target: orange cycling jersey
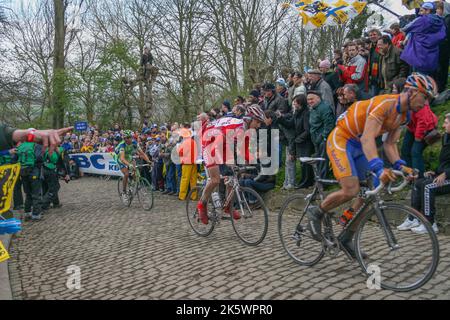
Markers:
(383, 109)
(343, 145)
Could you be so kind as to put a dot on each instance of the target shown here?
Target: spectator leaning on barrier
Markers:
(391, 66)
(434, 184)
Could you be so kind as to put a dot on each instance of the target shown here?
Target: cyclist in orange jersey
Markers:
(352, 149)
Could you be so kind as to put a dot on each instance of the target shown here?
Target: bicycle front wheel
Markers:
(145, 194)
(252, 225)
(199, 228)
(295, 237)
(404, 263)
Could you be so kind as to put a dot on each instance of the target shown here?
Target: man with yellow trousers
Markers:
(188, 153)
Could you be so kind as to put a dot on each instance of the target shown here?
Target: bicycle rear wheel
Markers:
(199, 228)
(145, 194)
(296, 239)
(251, 228)
(411, 262)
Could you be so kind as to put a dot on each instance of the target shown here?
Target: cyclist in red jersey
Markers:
(353, 152)
(218, 136)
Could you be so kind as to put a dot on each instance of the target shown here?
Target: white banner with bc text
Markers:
(97, 163)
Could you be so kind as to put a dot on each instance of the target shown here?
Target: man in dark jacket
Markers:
(272, 100)
(435, 183)
(321, 122)
(391, 66)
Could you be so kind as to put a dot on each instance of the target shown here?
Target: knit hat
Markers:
(325, 64)
(255, 93)
(227, 104)
(428, 6)
(281, 82)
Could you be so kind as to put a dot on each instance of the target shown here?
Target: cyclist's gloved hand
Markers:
(400, 165)
(383, 175)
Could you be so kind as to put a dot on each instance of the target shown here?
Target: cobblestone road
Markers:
(133, 254)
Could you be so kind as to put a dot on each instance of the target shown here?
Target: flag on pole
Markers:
(316, 14)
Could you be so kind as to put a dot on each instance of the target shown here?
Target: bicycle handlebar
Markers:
(390, 189)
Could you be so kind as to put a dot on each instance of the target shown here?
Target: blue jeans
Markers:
(412, 152)
(178, 168)
(170, 177)
(257, 186)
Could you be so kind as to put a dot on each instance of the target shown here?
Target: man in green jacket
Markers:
(51, 184)
(391, 66)
(321, 122)
(30, 157)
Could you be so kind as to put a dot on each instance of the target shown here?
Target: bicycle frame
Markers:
(374, 201)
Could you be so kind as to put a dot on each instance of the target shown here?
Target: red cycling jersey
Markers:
(218, 141)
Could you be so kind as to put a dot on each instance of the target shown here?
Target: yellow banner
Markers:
(3, 253)
(8, 177)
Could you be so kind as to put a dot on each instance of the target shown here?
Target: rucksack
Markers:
(26, 154)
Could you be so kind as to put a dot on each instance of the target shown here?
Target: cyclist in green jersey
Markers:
(124, 152)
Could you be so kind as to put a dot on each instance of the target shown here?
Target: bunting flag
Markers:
(3, 253)
(316, 14)
(8, 177)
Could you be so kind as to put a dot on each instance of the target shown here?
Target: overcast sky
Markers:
(394, 5)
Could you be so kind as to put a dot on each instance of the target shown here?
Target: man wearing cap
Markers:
(330, 76)
(318, 84)
(321, 122)
(423, 37)
(272, 100)
(281, 88)
(253, 98)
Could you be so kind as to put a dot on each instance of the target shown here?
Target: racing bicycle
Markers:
(251, 228)
(406, 260)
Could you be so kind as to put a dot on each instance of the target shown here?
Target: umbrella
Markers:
(316, 14)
